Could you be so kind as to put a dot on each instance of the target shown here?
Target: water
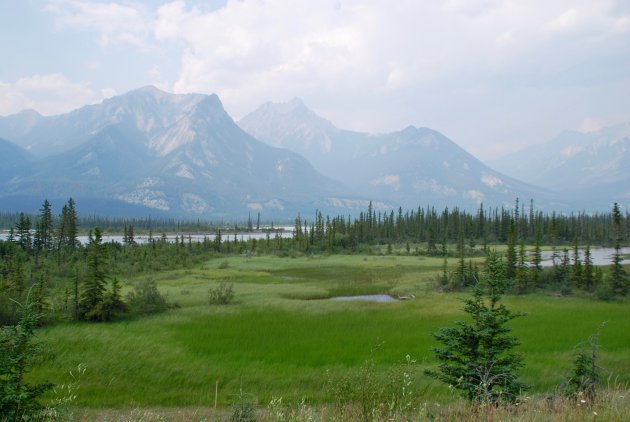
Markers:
(372, 298)
(142, 239)
(599, 256)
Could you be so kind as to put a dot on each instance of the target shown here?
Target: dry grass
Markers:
(612, 404)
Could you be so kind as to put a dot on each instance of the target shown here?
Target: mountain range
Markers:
(411, 167)
(168, 154)
(148, 152)
(586, 167)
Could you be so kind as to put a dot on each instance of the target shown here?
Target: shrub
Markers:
(146, 298)
(18, 399)
(584, 379)
(222, 294)
(243, 409)
(367, 394)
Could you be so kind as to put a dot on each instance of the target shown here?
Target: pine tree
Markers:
(587, 271)
(618, 279)
(576, 273)
(44, 228)
(536, 268)
(24, 238)
(18, 399)
(95, 282)
(510, 255)
(477, 356)
(67, 230)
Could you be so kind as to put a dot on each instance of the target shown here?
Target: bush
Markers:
(18, 399)
(146, 298)
(222, 294)
(243, 409)
(368, 394)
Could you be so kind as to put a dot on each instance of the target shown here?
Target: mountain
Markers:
(147, 109)
(412, 167)
(174, 154)
(584, 166)
(293, 126)
(15, 159)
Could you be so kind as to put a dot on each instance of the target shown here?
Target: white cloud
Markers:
(566, 21)
(48, 94)
(501, 66)
(591, 125)
(108, 92)
(252, 51)
(116, 22)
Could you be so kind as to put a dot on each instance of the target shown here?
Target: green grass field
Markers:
(281, 337)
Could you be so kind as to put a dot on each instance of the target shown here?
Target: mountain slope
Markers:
(410, 167)
(147, 109)
(293, 126)
(595, 162)
(16, 160)
(179, 154)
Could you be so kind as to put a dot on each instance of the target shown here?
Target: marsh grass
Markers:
(283, 344)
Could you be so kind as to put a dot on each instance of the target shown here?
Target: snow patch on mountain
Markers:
(432, 185)
(194, 204)
(491, 181)
(185, 172)
(392, 180)
(475, 195)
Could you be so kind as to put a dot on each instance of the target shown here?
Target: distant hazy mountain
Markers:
(177, 154)
(588, 166)
(293, 126)
(412, 167)
(14, 160)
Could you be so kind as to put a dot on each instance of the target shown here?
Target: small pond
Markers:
(372, 298)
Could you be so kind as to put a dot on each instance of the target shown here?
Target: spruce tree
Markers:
(95, 282)
(510, 255)
(618, 279)
(24, 238)
(18, 351)
(476, 356)
(587, 272)
(67, 230)
(44, 228)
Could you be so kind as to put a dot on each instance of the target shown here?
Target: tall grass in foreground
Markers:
(613, 405)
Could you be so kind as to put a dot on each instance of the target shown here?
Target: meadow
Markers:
(282, 337)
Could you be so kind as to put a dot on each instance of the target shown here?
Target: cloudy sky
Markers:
(493, 75)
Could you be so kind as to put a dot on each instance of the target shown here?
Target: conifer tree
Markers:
(18, 398)
(510, 255)
(536, 268)
(618, 279)
(476, 356)
(67, 230)
(44, 228)
(23, 229)
(587, 271)
(95, 282)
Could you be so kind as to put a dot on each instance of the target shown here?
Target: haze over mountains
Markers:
(149, 152)
(153, 151)
(411, 167)
(585, 167)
